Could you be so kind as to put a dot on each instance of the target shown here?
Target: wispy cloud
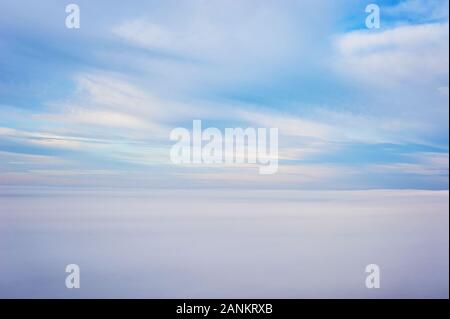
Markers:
(415, 54)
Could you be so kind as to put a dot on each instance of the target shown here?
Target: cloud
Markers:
(201, 47)
(287, 175)
(100, 118)
(217, 32)
(117, 92)
(45, 138)
(109, 108)
(415, 54)
(419, 10)
(289, 125)
(29, 159)
(323, 127)
(424, 163)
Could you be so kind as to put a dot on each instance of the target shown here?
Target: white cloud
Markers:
(49, 139)
(405, 54)
(425, 163)
(419, 9)
(115, 92)
(286, 176)
(200, 45)
(101, 118)
(322, 127)
(111, 103)
(289, 125)
(27, 159)
(216, 32)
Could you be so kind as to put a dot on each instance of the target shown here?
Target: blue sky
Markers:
(355, 108)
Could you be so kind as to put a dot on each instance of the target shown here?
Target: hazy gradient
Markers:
(206, 244)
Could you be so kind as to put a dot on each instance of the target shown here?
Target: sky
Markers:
(356, 108)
